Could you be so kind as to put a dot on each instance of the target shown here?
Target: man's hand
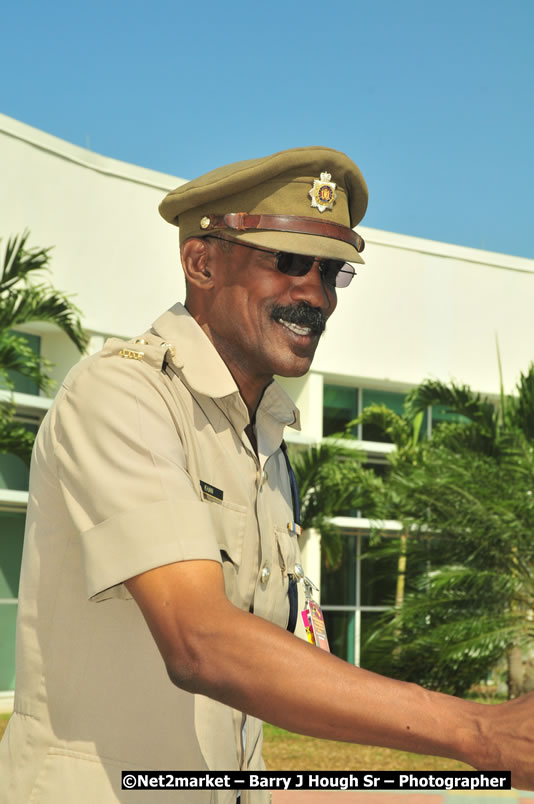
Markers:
(211, 647)
(510, 737)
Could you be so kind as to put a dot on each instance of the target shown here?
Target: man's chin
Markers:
(295, 353)
(296, 367)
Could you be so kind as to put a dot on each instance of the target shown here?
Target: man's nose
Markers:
(312, 289)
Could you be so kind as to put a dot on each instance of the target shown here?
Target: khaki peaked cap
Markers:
(289, 192)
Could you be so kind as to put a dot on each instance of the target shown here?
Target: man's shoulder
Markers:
(121, 367)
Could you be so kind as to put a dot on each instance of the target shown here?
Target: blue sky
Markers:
(434, 101)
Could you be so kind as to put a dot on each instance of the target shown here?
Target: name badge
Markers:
(211, 493)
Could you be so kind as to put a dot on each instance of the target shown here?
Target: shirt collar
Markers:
(206, 372)
(194, 354)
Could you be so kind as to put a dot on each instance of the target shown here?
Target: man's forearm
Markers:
(261, 669)
(213, 648)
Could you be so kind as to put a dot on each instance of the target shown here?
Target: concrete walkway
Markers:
(370, 797)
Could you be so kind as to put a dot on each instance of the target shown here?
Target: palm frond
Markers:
(458, 399)
(331, 483)
(18, 261)
(43, 303)
(523, 414)
(387, 421)
(22, 302)
(16, 355)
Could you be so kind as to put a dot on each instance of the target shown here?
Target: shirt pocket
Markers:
(229, 521)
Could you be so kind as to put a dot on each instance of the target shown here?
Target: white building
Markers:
(417, 309)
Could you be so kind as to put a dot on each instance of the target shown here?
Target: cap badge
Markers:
(323, 193)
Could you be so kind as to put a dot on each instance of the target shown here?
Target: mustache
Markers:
(302, 315)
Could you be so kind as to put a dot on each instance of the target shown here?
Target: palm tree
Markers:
(22, 302)
(405, 433)
(492, 427)
(331, 481)
(471, 487)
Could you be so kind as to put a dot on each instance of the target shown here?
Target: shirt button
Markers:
(265, 575)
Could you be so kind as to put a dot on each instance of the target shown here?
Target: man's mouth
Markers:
(295, 328)
(300, 319)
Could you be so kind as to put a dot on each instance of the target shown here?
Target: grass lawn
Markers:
(285, 751)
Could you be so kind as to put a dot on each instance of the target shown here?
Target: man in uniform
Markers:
(161, 556)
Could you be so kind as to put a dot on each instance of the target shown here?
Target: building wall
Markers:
(417, 308)
(420, 308)
(111, 247)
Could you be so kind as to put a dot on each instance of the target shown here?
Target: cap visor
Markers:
(309, 245)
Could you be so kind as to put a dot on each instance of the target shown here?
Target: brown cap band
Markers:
(242, 221)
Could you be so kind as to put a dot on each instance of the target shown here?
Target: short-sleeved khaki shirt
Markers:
(142, 461)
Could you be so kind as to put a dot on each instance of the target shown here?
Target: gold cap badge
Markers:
(323, 193)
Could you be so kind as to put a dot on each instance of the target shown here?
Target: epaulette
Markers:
(149, 349)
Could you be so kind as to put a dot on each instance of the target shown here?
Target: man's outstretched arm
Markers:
(213, 648)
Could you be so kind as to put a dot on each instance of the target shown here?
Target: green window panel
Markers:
(378, 576)
(14, 473)
(8, 621)
(338, 584)
(340, 406)
(11, 539)
(369, 621)
(340, 633)
(22, 384)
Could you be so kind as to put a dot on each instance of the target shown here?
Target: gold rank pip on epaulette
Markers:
(131, 354)
(154, 354)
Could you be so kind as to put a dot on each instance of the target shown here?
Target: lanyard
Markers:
(292, 590)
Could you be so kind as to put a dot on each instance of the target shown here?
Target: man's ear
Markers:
(194, 254)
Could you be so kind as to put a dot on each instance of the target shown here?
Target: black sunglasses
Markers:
(336, 273)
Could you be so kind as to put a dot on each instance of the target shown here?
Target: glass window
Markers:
(338, 584)
(378, 576)
(8, 621)
(12, 535)
(11, 538)
(340, 406)
(368, 623)
(14, 473)
(340, 633)
(363, 583)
